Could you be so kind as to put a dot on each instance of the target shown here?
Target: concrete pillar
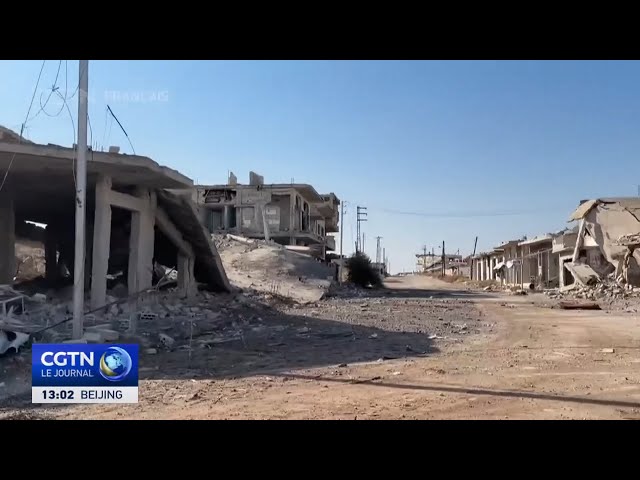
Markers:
(7, 242)
(292, 218)
(141, 243)
(226, 217)
(51, 254)
(101, 243)
(186, 278)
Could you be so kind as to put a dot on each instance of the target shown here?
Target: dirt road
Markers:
(422, 350)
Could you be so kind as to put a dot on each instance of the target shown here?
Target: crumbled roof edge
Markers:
(57, 151)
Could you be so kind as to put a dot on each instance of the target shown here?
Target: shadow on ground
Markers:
(420, 293)
(270, 342)
(473, 391)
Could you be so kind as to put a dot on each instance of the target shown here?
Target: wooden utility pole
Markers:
(444, 267)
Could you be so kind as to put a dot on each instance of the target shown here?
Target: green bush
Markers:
(361, 272)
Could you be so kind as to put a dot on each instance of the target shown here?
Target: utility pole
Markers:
(378, 252)
(342, 204)
(361, 213)
(424, 259)
(81, 195)
(363, 247)
(444, 257)
(384, 259)
(475, 244)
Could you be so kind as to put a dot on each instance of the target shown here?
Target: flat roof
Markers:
(124, 169)
(306, 190)
(41, 180)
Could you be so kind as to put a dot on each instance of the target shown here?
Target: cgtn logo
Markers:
(115, 364)
(82, 365)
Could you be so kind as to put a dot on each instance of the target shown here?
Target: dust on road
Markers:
(420, 349)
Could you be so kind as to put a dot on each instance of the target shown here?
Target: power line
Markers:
(13, 157)
(32, 97)
(122, 128)
(464, 214)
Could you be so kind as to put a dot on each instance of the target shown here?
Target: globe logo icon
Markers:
(115, 364)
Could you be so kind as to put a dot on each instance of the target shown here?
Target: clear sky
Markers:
(497, 149)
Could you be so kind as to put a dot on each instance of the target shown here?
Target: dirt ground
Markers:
(421, 349)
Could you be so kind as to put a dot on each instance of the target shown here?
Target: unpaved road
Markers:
(502, 357)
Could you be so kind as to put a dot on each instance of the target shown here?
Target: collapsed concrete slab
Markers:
(132, 219)
(208, 267)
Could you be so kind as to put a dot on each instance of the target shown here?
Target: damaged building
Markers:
(606, 242)
(525, 262)
(139, 214)
(294, 214)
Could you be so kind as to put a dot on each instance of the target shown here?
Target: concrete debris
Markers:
(574, 305)
(39, 297)
(151, 351)
(607, 290)
(166, 340)
(608, 350)
(583, 273)
(12, 340)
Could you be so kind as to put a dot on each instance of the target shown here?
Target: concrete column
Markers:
(7, 242)
(186, 278)
(141, 243)
(101, 243)
(51, 254)
(226, 217)
(292, 218)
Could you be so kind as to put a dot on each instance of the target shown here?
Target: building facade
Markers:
(293, 214)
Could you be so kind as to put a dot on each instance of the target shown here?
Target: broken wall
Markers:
(606, 222)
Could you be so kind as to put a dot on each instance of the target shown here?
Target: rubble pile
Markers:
(257, 265)
(608, 289)
(159, 320)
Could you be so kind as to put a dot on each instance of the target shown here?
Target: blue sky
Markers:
(497, 149)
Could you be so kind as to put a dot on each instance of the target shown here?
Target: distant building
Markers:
(293, 214)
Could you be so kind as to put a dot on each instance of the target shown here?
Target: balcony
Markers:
(330, 242)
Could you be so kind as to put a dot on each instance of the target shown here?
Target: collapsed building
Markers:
(139, 214)
(294, 215)
(606, 242)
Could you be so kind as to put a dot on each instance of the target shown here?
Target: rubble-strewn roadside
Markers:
(609, 294)
(222, 335)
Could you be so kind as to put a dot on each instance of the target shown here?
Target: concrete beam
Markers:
(186, 277)
(7, 241)
(141, 243)
(127, 202)
(579, 240)
(101, 243)
(169, 229)
(51, 254)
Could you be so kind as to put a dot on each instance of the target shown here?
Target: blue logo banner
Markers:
(82, 365)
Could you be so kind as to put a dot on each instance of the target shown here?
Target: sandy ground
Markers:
(421, 350)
